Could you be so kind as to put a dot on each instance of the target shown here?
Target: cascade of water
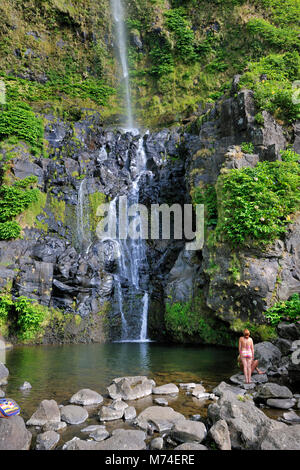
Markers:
(118, 14)
(133, 299)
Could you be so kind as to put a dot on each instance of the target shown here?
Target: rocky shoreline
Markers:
(135, 414)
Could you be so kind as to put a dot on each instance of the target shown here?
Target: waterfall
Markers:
(131, 278)
(118, 15)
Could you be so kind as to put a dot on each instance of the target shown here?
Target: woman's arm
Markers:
(240, 344)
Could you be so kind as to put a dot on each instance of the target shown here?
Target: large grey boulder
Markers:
(273, 390)
(14, 435)
(224, 387)
(4, 373)
(73, 414)
(284, 437)
(129, 413)
(289, 331)
(239, 379)
(86, 397)
(190, 446)
(130, 388)
(219, 432)
(167, 389)
(113, 411)
(124, 439)
(247, 424)
(47, 440)
(47, 412)
(187, 431)
(79, 444)
(281, 403)
(161, 418)
(268, 355)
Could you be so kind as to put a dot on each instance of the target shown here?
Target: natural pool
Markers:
(57, 372)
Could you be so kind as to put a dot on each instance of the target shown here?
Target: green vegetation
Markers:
(14, 199)
(271, 79)
(190, 321)
(247, 147)
(256, 203)
(25, 314)
(208, 197)
(284, 311)
(17, 119)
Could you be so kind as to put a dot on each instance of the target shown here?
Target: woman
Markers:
(246, 351)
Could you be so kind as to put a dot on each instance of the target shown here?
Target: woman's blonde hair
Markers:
(246, 331)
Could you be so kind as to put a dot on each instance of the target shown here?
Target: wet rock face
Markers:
(63, 264)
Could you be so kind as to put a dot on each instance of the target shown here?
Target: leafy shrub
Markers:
(183, 34)
(274, 93)
(10, 229)
(281, 38)
(247, 147)
(18, 119)
(284, 311)
(186, 321)
(30, 316)
(289, 155)
(14, 200)
(208, 197)
(25, 314)
(256, 203)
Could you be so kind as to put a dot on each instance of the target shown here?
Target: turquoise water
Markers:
(57, 372)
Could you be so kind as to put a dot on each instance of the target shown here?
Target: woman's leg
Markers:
(245, 369)
(249, 363)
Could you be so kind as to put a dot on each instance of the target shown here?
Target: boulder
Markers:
(47, 440)
(47, 412)
(273, 390)
(289, 331)
(292, 417)
(198, 391)
(99, 434)
(107, 413)
(281, 403)
(219, 432)
(187, 386)
(161, 418)
(161, 401)
(86, 397)
(247, 424)
(224, 387)
(284, 437)
(2, 394)
(130, 388)
(79, 444)
(55, 426)
(73, 414)
(4, 373)
(26, 386)
(268, 355)
(190, 446)
(187, 430)
(14, 435)
(124, 439)
(129, 413)
(239, 379)
(157, 443)
(167, 389)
